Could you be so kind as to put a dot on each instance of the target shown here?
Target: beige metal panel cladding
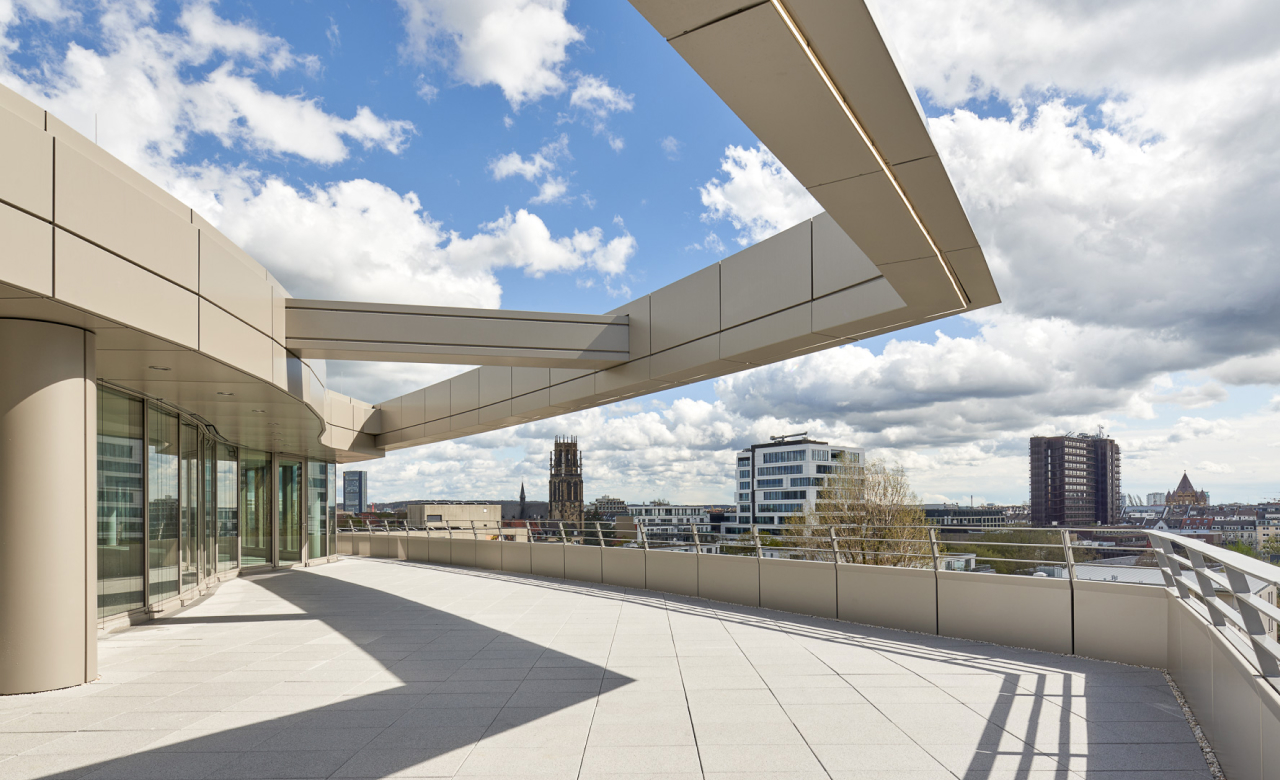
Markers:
(575, 393)
(858, 309)
(21, 107)
(887, 596)
(696, 360)
(516, 557)
(527, 380)
(413, 408)
(489, 555)
(535, 403)
(27, 179)
(380, 546)
(869, 210)
(846, 40)
(344, 546)
(1012, 610)
(363, 543)
(97, 281)
(971, 267)
(233, 342)
(464, 550)
(464, 392)
(671, 572)
(804, 587)
(767, 277)
(93, 202)
(1122, 622)
(673, 17)
(495, 384)
(26, 254)
(771, 338)
(547, 560)
(929, 188)
(755, 65)
(234, 286)
(638, 325)
(623, 566)
(419, 548)
(733, 579)
(45, 501)
(582, 563)
(441, 550)
(686, 310)
(838, 262)
(629, 378)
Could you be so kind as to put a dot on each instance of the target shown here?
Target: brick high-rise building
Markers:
(1075, 480)
(565, 495)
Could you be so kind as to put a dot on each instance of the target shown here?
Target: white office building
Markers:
(782, 478)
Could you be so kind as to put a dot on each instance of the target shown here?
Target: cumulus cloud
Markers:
(595, 95)
(538, 165)
(670, 147)
(759, 197)
(520, 46)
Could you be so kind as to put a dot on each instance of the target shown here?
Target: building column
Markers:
(48, 507)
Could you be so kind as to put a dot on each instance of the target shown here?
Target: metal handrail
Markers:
(1244, 611)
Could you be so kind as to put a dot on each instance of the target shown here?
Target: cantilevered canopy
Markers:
(184, 316)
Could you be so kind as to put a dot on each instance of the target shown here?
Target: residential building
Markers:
(1185, 494)
(355, 491)
(1075, 480)
(666, 522)
(608, 506)
(564, 503)
(956, 515)
(1155, 499)
(783, 477)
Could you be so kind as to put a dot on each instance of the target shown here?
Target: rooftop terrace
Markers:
(382, 668)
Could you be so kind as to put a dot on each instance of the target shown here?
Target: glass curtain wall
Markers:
(255, 504)
(333, 507)
(121, 528)
(162, 503)
(317, 509)
(289, 511)
(228, 508)
(189, 506)
(208, 499)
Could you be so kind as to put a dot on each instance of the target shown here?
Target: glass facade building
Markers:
(178, 506)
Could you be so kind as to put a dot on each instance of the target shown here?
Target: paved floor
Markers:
(365, 669)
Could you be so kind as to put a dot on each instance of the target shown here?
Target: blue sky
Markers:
(359, 151)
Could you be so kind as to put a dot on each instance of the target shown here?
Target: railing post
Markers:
(755, 535)
(1068, 555)
(835, 547)
(1170, 568)
(600, 534)
(1206, 588)
(474, 536)
(1253, 622)
(933, 547)
(644, 537)
(563, 539)
(697, 545)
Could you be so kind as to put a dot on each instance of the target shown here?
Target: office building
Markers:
(608, 506)
(355, 495)
(1075, 480)
(564, 495)
(1155, 499)
(784, 477)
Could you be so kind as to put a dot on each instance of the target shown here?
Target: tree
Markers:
(864, 513)
(596, 531)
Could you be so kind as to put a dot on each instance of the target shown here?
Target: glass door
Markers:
(289, 511)
(189, 506)
(317, 510)
(255, 498)
(208, 515)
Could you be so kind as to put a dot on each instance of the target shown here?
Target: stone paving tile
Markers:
(404, 670)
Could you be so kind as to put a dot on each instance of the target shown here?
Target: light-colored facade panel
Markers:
(628, 377)
(574, 393)
(92, 202)
(673, 17)
(695, 360)
(850, 312)
(495, 413)
(971, 267)
(231, 341)
(464, 392)
(755, 64)
(495, 384)
(531, 403)
(929, 188)
(772, 338)
(279, 365)
(871, 213)
(392, 419)
(90, 278)
(234, 286)
(686, 310)
(413, 409)
(838, 262)
(26, 253)
(26, 180)
(526, 380)
(639, 325)
(845, 37)
(767, 277)
(435, 401)
(22, 108)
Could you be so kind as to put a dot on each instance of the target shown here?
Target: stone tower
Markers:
(564, 503)
(521, 516)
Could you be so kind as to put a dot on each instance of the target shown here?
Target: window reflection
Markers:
(317, 510)
(228, 508)
(120, 518)
(290, 512)
(255, 503)
(162, 503)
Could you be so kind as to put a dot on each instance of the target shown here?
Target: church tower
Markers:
(565, 495)
(520, 515)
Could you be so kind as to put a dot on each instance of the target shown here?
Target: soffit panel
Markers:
(673, 17)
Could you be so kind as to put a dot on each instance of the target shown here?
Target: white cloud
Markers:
(539, 165)
(552, 190)
(760, 196)
(520, 46)
(671, 147)
(593, 94)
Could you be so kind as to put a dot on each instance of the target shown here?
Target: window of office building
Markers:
(289, 511)
(121, 526)
(786, 456)
(188, 506)
(769, 483)
(805, 482)
(162, 503)
(780, 508)
(772, 471)
(255, 505)
(209, 512)
(228, 508)
(784, 495)
(333, 506)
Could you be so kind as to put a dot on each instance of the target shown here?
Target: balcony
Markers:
(399, 668)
